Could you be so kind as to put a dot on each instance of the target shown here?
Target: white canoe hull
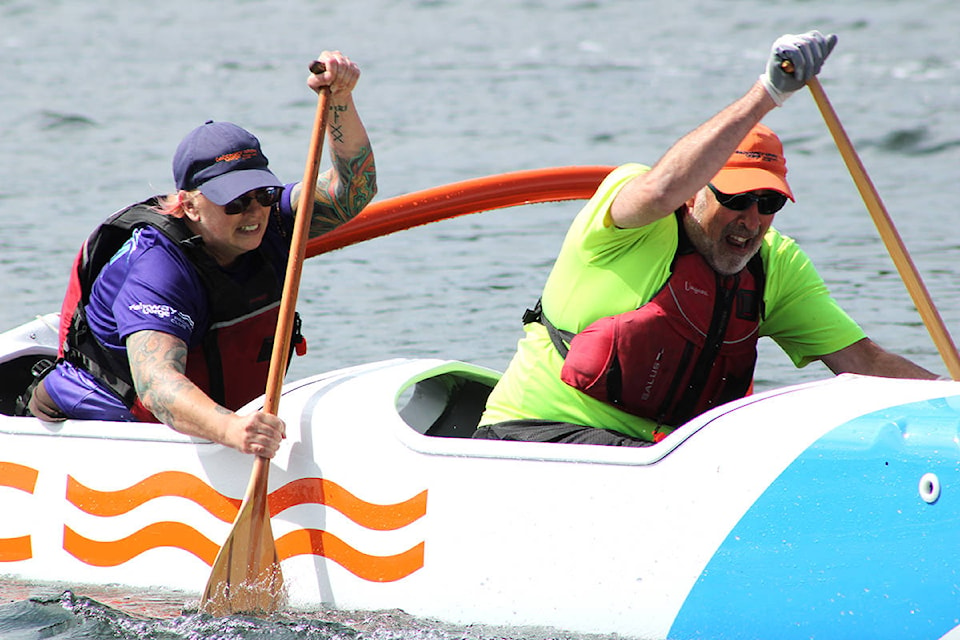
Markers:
(825, 509)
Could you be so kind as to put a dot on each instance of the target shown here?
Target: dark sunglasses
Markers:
(266, 196)
(767, 204)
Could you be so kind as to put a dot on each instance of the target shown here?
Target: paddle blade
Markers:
(246, 575)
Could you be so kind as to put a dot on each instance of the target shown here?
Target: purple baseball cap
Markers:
(223, 160)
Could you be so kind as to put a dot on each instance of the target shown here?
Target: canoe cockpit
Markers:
(446, 405)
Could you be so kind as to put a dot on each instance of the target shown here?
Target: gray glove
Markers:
(806, 52)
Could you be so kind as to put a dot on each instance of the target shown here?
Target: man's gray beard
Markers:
(722, 262)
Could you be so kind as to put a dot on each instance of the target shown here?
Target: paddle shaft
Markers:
(888, 233)
(291, 282)
(251, 529)
(291, 288)
(298, 249)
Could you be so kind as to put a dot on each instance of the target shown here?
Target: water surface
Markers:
(94, 97)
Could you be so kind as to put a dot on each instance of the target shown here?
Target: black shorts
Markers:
(549, 431)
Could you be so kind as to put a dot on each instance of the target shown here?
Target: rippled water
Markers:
(94, 97)
(49, 611)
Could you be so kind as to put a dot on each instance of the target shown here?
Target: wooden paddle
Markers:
(246, 575)
(888, 232)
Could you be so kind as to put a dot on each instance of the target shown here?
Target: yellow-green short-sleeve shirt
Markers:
(603, 270)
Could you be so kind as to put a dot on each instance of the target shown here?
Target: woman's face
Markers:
(225, 237)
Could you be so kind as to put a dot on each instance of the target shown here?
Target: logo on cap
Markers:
(237, 155)
(763, 156)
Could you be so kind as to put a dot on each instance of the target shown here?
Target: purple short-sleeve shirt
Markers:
(148, 285)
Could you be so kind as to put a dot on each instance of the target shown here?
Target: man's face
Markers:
(727, 239)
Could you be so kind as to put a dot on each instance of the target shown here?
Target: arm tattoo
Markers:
(343, 193)
(158, 362)
(345, 190)
(336, 129)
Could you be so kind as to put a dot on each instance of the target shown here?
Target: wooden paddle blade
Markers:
(246, 575)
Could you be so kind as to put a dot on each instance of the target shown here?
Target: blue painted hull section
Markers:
(844, 544)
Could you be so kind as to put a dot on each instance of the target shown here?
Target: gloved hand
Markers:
(806, 52)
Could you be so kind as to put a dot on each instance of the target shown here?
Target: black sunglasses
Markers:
(767, 204)
(266, 196)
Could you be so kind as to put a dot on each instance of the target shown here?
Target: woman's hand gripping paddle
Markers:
(246, 575)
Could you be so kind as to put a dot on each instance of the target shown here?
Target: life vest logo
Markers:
(692, 288)
(652, 376)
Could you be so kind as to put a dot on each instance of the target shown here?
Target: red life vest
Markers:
(232, 361)
(692, 347)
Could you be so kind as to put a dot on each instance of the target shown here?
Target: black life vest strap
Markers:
(560, 338)
(87, 353)
(723, 307)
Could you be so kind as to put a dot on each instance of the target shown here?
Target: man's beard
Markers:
(715, 252)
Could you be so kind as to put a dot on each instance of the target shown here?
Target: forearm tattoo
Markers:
(158, 363)
(336, 129)
(343, 192)
(345, 195)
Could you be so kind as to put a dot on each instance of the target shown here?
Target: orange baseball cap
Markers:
(758, 163)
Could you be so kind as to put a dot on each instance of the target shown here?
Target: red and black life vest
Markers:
(692, 347)
(232, 361)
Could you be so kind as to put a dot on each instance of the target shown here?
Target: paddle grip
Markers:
(787, 66)
(317, 67)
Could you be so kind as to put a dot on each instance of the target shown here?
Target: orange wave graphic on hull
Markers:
(17, 476)
(379, 517)
(164, 484)
(101, 553)
(15, 549)
(372, 568)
